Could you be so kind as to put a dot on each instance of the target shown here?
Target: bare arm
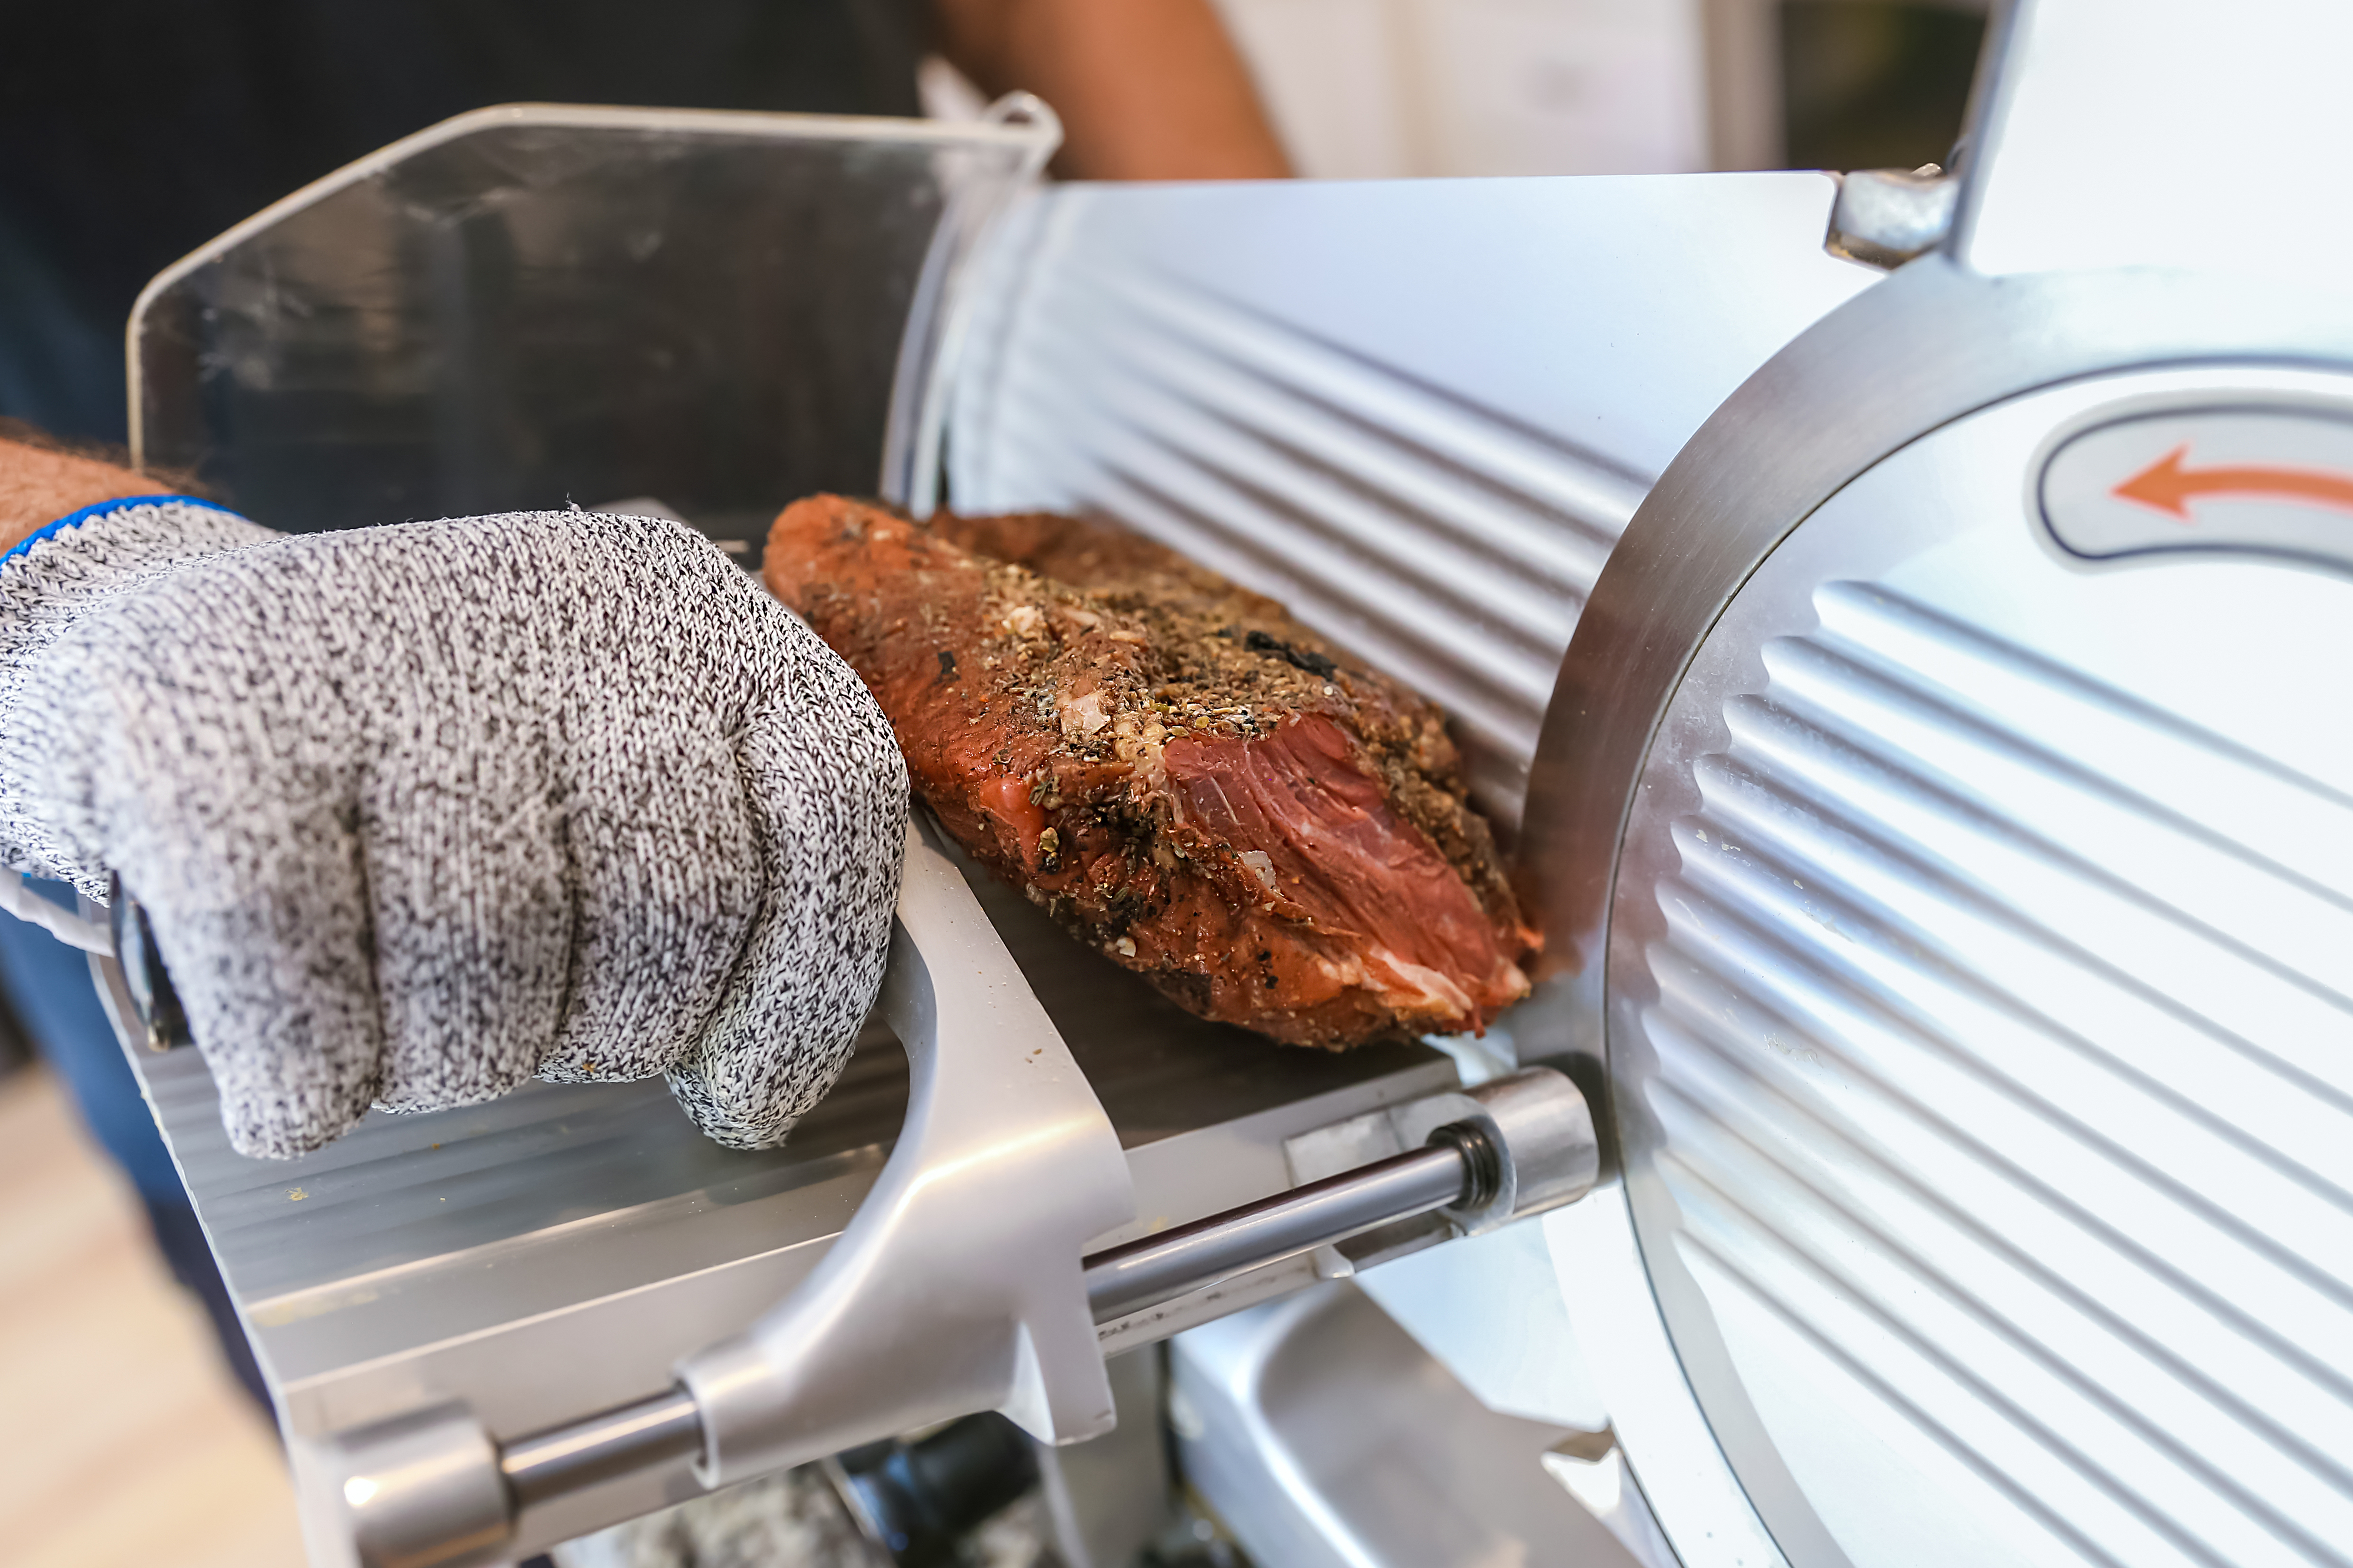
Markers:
(1147, 89)
(38, 486)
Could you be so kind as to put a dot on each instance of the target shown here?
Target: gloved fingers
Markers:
(468, 887)
(258, 910)
(666, 864)
(668, 876)
(418, 812)
(271, 969)
(829, 796)
(452, 788)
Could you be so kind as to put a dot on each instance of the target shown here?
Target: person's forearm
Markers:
(1147, 89)
(38, 487)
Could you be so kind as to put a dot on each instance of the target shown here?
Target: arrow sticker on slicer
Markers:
(2270, 479)
(2170, 485)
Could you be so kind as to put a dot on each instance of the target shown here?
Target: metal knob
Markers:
(422, 1491)
(1884, 217)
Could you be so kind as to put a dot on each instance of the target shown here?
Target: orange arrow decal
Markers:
(2170, 488)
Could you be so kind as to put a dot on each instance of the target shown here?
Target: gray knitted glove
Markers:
(417, 812)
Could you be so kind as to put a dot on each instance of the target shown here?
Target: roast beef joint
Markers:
(1187, 779)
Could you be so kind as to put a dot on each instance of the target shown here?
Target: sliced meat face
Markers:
(1328, 848)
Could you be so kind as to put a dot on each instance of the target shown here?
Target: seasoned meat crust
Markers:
(1185, 778)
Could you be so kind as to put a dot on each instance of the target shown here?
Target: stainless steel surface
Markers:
(1935, 344)
(1000, 1122)
(85, 929)
(1592, 1469)
(1492, 1310)
(589, 1228)
(1884, 217)
(1345, 1146)
(1421, 412)
(1123, 1279)
(1538, 1123)
(1636, 1373)
(1979, 989)
(1418, 413)
(1325, 1438)
(1489, 1309)
(421, 1490)
(2165, 133)
(1113, 1495)
(1507, 1149)
(405, 338)
(577, 1455)
(1929, 344)
(1461, 1169)
(586, 1227)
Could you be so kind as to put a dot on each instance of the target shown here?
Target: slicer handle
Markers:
(927, 1306)
(999, 1122)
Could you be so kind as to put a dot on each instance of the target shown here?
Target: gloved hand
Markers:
(416, 812)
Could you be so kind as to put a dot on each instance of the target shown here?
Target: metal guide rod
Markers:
(432, 1488)
(1155, 1268)
(616, 1442)
(1456, 1168)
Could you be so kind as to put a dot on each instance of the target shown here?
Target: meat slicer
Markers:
(1902, 619)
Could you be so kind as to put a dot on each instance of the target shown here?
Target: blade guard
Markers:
(956, 1286)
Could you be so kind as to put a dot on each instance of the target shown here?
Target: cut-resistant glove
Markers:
(418, 812)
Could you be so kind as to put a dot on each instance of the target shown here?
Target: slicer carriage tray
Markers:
(555, 1251)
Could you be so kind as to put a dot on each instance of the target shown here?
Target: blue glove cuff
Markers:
(101, 509)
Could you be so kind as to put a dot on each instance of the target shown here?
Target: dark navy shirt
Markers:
(133, 130)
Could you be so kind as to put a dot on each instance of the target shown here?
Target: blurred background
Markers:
(128, 1440)
(1415, 88)
(1378, 89)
